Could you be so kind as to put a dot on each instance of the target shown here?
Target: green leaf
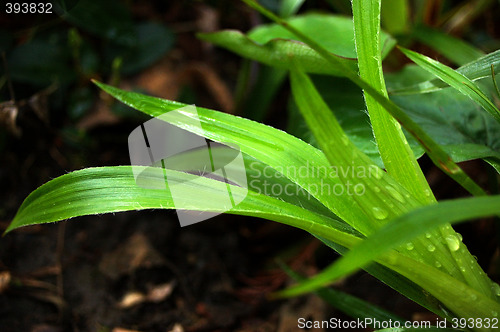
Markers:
(114, 189)
(454, 121)
(275, 53)
(395, 16)
(290, 7)
(277, 149)
(456, 50)
(397, 282)
(383, 198)
(439, 157)
(474, 71)
(396, 154)
(408, 227)
(346, 100)
(454, 79)
(273, 45)
(348, 304)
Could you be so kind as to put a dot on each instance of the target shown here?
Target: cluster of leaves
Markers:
(396, 222)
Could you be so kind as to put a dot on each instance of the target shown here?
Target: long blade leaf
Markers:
(474, 71)
(394, 149)
(454, 79)
(114, 189)
(348, 304)
(407, 227)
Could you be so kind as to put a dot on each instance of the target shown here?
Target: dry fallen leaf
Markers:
(131, 299)
(119, 329)
(8, 116)
(5, 278)
(156, 294)
(177, 328)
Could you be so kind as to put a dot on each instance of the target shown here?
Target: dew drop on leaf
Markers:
(409, 246)
(452, 242)
(395, 194)
(437, 264)
(379, 213)
(495, 288)
(431, 248)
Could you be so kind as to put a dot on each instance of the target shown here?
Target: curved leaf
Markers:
(277, 149)
(276, 53)
(114, 189)
(394, 149)
(474, 71)
(452, 119)
(406, 228)
(275, 46)
(454, 79)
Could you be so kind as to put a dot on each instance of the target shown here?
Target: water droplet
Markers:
(452, 242)
(494, 313)
(359, 189)
(437, 264)
(431, 248)
(462, 269)
(460, 237)
(376, 189)
(473, 297)
(394, 193)
(428, 235)
(495, 288)
(410, 246)
(379, 213)
(427, 192)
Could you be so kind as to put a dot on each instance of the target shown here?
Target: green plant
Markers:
(390, 217)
